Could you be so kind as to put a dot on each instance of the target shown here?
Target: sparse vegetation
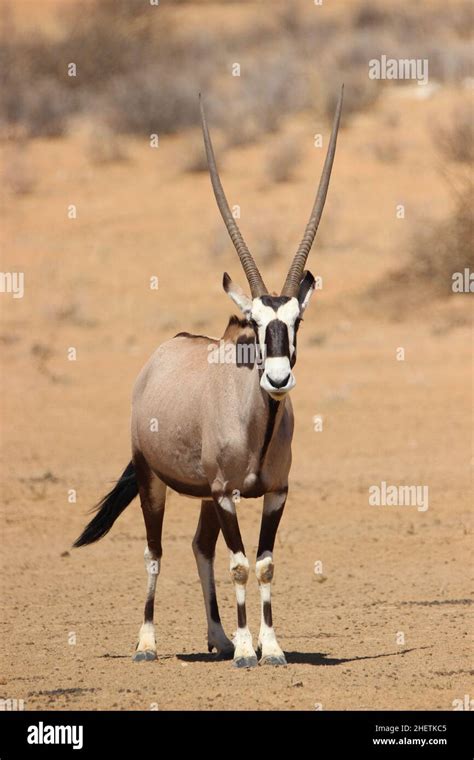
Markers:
(141, 74)
(195, 159)
(455, 141)
(101, 142)
(17, 175)
(386, 150)
(436, 253)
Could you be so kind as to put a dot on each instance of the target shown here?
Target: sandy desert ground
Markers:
(389, 625)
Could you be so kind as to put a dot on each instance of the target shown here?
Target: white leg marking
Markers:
(146, 636)
(267, 641)
(239, 559)
(226, 503)
(239, 568)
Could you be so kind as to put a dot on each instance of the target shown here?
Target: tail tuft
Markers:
(110, 507)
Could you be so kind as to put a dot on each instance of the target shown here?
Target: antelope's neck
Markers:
(259, 413)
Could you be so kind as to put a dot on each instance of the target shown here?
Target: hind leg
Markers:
(204, 545)
(152, 496)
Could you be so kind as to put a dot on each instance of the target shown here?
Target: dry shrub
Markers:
(154, 100)
(348, 64)
(436, 253)
(276, 87)
(271, 86)
(368, 14)
(195, 159)
(113, 46)
(267, 249)
(17, 173)
(41, 108)
(410, 22)
(442, 36)
(455, 141)
(238, 120)
(360, 94)
(450, 63)
(282, 159)
(220, 244)
(386, 150)
(102, 144)
(143, 72)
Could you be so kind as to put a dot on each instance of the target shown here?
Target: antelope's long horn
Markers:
(295, 272)
(257, 286)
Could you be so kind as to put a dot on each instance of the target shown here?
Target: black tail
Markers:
(110, 507)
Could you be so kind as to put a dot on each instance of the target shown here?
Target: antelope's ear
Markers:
(238, 296)
(306, 290)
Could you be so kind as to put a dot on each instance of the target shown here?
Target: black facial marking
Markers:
(276, 339)
(246, 351)
(274, 301)
(295, 336)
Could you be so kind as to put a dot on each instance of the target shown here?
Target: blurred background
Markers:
(138, 69)
(91, 210)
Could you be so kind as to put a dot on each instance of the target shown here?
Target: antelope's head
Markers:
(275, 319)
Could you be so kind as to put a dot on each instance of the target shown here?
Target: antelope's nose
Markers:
(279, 383)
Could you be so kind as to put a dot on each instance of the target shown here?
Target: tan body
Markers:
(208, 428)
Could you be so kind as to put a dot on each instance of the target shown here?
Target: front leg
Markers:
(244, 653)
(273, 505)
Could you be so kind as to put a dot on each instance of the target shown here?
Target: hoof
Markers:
(225, 652)
(245, 662)
(272, 659)
(145, 654)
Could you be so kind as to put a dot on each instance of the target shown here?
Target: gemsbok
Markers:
(223, 431)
